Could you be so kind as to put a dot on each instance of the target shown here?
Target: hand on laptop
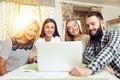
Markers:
(80, 72)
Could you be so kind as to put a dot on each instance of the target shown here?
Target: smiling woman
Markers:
(19, 49)
(49, 32)
(26, 29)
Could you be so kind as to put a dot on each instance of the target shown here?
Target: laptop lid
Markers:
(59, 56)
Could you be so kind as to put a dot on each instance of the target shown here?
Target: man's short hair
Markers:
(95, 13)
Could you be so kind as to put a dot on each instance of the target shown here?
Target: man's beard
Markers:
(98, 35)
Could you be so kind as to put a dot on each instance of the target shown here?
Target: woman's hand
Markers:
(109, 70)
(33, 57)
(2, 66)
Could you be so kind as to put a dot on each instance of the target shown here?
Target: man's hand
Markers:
(109, 70)
(80, 72)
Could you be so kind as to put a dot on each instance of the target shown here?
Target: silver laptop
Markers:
(59, 56)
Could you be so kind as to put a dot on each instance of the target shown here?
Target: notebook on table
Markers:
(59, 56)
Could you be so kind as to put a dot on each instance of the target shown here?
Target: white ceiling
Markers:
(114, 3)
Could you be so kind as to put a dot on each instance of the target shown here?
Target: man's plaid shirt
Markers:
(108, 55)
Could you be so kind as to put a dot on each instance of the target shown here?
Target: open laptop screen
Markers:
(59, 56)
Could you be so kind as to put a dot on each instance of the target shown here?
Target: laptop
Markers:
(59, 56)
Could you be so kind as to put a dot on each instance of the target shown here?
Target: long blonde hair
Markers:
(21, 32)
(68, 36)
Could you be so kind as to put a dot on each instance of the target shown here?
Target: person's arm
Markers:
(107, 54)
(80, 72)
(5, 52)
(2, 66)
(32, 57)
(109, 70)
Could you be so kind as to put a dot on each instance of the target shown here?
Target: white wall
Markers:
(110, 13)
(1, 19)
(58, 16)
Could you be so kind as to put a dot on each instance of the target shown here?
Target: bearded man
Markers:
(103, 50)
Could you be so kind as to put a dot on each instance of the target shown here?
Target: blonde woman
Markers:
(19, 49)
(74, 33)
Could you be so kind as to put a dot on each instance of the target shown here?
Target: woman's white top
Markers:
(53, 39)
